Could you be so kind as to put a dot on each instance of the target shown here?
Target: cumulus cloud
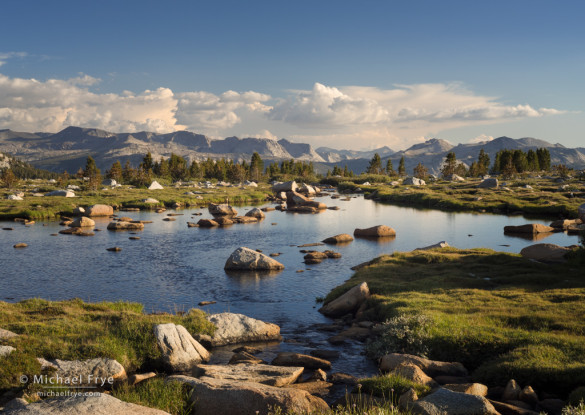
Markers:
(204, 110)
(396, 115)
(32, 105)
(351, 116)
(427, 103)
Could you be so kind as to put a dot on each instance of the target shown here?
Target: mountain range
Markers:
(69, 148)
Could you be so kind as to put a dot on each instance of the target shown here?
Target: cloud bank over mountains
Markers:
(352, 116)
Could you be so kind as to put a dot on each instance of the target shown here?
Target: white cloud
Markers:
(32, 105)
(483, 138)
(206, 111)
(350, 117)
(4, 56)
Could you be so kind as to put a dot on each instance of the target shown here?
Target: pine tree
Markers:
(115, 172)
(256, 166)
(147, 162)
(92, 173)
(421, 171)
(483, 163)
(8, 178)
(450, 164)
(128, 173)
(532, 160)
(177, 167)
(543, 158)
(401, 167)
(390, 168)
(375, 166)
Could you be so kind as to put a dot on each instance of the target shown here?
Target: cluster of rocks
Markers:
(453, 392)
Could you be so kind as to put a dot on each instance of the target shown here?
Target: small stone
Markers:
(512, 391)
(114, 249)
(20, 245)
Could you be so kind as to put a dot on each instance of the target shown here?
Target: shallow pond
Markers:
(173, 267)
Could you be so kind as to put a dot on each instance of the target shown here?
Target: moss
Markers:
(500, 315)
(38, 208)
(390, 387)
(73, 329)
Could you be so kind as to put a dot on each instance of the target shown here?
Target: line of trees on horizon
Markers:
(507, 163)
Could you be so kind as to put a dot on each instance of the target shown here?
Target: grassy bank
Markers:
(545, 198)
(37, 208)
(74, 329)
(500, 315)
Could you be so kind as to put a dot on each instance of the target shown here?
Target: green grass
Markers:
(74, 329)
(390, 387)
(543, 200)
(500, 315)
(37, 208)
(171, 397)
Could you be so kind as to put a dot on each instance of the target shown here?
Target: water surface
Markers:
(173, 267)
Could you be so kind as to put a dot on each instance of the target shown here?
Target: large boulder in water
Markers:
(222, 209)
(224, 396)
(82, 222)
(296, 201)
(249, 260)
(234, 328)
(375, 232)
(285, 187)
(339, 239)
(256, 213)
(348, 302)
(545, 252)
(99, 210)
(531, 228)
(180, 351)
(125, 226)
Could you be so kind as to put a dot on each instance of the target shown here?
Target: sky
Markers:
(341, 74)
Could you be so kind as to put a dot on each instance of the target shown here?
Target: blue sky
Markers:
(335, 73)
